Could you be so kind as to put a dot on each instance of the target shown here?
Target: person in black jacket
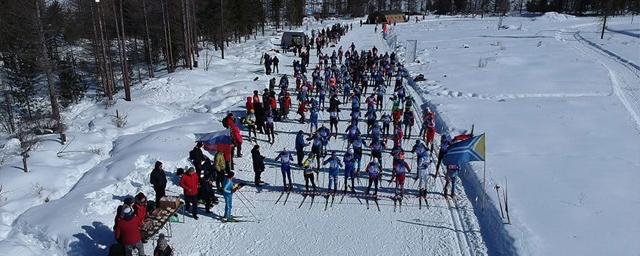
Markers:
(158, 180)
(206, 191)
(197, 157)
(258, 164)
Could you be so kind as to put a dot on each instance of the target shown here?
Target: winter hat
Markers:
(128, 201)
(127, 213)
(191, 169)
(141, 198)
(230, 175)
(162, 243)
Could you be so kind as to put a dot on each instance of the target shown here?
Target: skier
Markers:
(444, 148)
(285, 167)
(316, 147)
(371, 119)
(349, 169)
(420, 150)
(300, 144)
(258, 164)
(189, 183)
(373, 169)
(158, 180)
(308, 172)
(229, 188)
(301, 109)
(400, 169)
(423, 176)
(408, 120)
(313, 120)
(324, 134)
(334, 165)
(357, 150)
(450, 177)
(386, 121)
(376, 150)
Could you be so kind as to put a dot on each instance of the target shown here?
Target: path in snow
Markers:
(293, 227)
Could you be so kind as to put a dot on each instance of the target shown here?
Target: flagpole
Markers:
(484, 179)
(484, 183)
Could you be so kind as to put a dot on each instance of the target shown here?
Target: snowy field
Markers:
(560, 108)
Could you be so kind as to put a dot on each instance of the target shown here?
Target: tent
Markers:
(291, 38)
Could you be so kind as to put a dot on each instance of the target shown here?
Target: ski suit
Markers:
(285, 166)
(334, 167)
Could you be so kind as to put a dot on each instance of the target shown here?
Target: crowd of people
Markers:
(359, 80)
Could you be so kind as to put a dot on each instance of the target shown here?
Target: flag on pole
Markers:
(469, 150)
(219, 141)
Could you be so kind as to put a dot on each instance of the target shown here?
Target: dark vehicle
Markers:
(293, 39)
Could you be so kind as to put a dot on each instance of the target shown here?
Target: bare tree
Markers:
(45, 63)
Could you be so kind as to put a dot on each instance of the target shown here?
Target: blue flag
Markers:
(466, 151)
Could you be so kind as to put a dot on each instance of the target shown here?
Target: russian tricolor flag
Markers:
(213, 142)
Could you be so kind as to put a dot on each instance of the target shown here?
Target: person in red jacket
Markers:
(127, 229)
(249, 104)
(237, 140)
(286, 105)
(301, 109)
(189, 184)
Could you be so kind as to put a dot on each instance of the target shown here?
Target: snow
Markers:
(561, 117)
(561, 123)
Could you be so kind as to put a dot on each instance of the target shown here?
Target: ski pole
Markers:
(245, 197)
(248, 209)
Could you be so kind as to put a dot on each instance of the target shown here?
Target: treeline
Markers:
(481, 7)
(586, 7)
(54, 53)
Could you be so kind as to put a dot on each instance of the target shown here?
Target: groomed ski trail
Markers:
(346, 228)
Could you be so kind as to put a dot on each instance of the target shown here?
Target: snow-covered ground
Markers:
(560, 108)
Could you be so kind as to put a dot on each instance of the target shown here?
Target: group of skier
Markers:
(360, 80)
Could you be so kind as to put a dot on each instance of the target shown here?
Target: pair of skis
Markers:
(288, 192)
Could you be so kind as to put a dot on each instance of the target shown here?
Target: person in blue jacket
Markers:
(229, 188)
(285, 167)
(324, 134)
(313, 120)
(300, 144)
(349, 169)
(334, 167)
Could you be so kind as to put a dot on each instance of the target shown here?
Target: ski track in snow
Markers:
(622, 73)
